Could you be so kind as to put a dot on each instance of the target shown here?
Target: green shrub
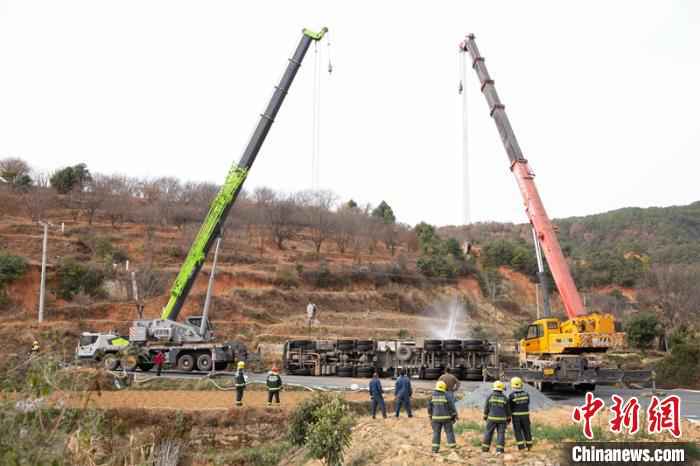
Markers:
(11, 268)
(330, 434)
(303, 417)
(642, 329)
(74, 277)
(520, 332)
(681, 366)
(322, 424)
(287, 278)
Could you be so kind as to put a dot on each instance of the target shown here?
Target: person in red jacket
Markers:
(159, 360)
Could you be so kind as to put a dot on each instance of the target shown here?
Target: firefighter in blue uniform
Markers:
(519, 402)
(497, 416)
(442, 413)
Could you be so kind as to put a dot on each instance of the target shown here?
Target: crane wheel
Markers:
(110, 362)
(185, 362)
(204, 362)
(130, 362)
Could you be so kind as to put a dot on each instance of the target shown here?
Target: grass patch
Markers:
(475, 441)
(467, 426)
(362, 458)
(268, 454)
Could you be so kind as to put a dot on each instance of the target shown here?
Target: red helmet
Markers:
(274, 369)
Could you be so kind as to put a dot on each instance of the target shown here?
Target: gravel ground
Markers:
(477, 398)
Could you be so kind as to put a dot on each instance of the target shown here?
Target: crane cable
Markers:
(466, 198)
(316, 120)
(316, 126)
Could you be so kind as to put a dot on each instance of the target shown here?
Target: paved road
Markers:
(690, 399)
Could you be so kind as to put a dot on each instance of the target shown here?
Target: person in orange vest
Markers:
(274, 386)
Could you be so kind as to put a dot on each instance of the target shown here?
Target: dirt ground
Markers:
(407, 442)
(194, 400)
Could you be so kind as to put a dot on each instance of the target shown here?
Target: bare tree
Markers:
(674, 288)
(280, 215)
(318, 218)
(97, 191)
(120, 200)
(390, 236)
(373, 228)
(38, 198)
(346, 227)
(15, 172)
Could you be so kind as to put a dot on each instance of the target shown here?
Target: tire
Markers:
(473, 374)
(458, 372)
(452, 345)
(185, 362)
(365, 345)
(301, 344)
(220, 365)
(432, 345)
(544, 387)
(345, 345)
(345, 371)
(145, 366)
(129, 362)
(432, 373)
(404, 353)
(204, 362)
(585, 387)
(473, 345)
(110, 362)
(365, 372)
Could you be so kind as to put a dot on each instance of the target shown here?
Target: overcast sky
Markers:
(603, 97)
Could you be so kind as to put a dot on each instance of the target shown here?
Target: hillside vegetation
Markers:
(371, 275)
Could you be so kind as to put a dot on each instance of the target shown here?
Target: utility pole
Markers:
(42, 287)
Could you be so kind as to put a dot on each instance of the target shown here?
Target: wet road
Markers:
(690, 399)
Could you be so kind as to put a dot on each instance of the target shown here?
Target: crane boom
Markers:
(226, 197)
(525, 178)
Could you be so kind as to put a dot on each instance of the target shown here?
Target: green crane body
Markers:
(227, 195)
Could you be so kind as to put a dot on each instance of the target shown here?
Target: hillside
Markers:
(371, 276)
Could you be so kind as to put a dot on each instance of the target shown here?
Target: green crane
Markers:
(226, 198)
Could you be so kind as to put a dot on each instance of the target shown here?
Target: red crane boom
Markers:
(525, 178)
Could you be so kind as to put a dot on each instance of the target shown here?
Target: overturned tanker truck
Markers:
(422, 358)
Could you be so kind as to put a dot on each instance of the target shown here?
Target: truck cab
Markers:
(94, 345)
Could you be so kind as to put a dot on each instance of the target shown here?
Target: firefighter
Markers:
(35, 348)
(274, 385)
(442, 414)
(241, 381)
(402, 393)
(497, 416)
(519, 402)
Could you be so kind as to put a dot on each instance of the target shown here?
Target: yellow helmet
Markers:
(498, 385)
(241, 365)
(441, 386)
(516, 382)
